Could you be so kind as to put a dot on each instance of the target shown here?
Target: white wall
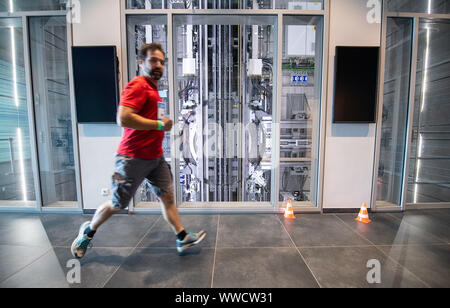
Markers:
(349, 148)
(99, 25)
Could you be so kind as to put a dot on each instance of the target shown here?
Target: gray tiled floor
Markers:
(239, 251)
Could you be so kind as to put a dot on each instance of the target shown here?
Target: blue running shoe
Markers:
(81, 243)
(190, 240)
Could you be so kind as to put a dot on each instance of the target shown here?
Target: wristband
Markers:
(160, 125)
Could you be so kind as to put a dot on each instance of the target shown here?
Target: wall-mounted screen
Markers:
(355, 92)
(95, 70)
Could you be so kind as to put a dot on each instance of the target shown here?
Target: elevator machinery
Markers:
(224, 81)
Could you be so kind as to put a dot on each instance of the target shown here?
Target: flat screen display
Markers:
(356, 84)
(95, 70)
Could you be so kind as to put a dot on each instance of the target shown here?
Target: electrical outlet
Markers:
(105, 192)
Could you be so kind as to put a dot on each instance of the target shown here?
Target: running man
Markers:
(140, 154)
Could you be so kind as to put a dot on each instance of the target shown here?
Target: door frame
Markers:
(39, 207)
(411, 101)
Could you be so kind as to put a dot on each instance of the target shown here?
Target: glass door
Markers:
(394, 125)
(17, 186)
(429, 165)
(51, 93)
(225, 85)
(300, 109)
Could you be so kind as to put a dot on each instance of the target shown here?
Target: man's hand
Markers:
(168, 123)
(129, 118)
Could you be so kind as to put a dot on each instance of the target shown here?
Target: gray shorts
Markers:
(129, 174)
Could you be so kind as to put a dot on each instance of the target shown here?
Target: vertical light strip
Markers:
(11, 6)
(21, 164)
(16, 101)
(14, 71)
(424, 90)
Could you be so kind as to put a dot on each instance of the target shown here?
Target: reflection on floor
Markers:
(240, 251)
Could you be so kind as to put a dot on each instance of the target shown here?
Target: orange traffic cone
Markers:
(289, 212)
(363, 215)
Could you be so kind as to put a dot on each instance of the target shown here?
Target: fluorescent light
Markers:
(21, 164)
(11, 6)
(424, 90)
(425, 68)
(16, 100)
(14, 64)
(419, 154)
(429, 6)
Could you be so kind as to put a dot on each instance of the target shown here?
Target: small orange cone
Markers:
(363, 215)
(289, 212)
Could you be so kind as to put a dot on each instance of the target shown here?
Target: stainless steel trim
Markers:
(323, 107)
(124, 67)
(33, 13)
(380, 101)
(275, 193)
(225, 12)
(418, 15)
(31, 117)
(412, 91)
(427, 206)
(172, 98)
(73, 109)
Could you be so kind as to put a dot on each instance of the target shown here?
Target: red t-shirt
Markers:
(143, 144)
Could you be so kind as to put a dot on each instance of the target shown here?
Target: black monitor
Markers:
(95, 71)
(356, 84)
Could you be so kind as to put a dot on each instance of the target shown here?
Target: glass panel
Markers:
(419, 6)
(48, 44)
(429, 174)
(225, 79)
(32, 5)
(300, 108)
(226, 4)
(395, 111)
(145, 30)
(16, 182)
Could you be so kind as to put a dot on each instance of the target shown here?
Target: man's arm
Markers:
(128, 117)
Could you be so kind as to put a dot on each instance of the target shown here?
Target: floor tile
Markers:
(61, 229)
(46, 272)
(97, 265)
(162, 235)
(435, 222)
(22, 230)
(164, 268)
(387, 230)
(261, 268)
(123, 230)
(252, 231)
(431, 263)
(321, 230)
(15, 258)
(336, 267)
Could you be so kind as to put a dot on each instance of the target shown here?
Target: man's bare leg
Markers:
(103, 213)
(88, 229)
(170, 213)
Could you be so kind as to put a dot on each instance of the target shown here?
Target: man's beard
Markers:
(154, 74)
